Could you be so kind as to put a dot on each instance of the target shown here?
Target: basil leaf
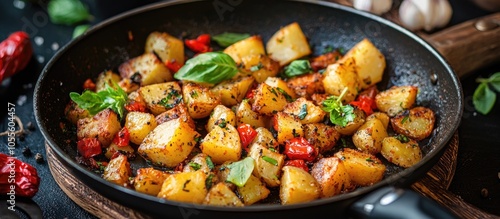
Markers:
(113, 98)
(209, 67)
(80, 29)
(303, 112)
(240, 171)
(67, 12)
(339, 114)
(210, 164)
(226, 39)
(298, 67)
(484, 98)
(494, 81)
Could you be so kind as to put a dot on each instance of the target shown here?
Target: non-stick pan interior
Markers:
(410, 61)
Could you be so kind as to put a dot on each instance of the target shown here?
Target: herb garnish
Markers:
(173, 98)
(297, 67)
(339, 114)
(402, 138)
(240, 171)
(484, 98)
(270, 160)
(110, 97)
(210, 164)
(287, 96)
(209, 67)
(226, 39)
(303, 112)
(67, 12)
(194, 165)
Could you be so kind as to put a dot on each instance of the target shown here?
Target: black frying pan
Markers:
(410, 60)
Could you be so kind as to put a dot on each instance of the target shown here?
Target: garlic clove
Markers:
(442, 14)
(410, 16)
(431, 14)
(374, 6)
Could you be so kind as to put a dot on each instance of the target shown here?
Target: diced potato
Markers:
(73, 112)
(331, 176)
(222, 172)
(288, 44)
(234, 90)
(149, 180)
(167, 47)
(286, 127)
(282, 85)
(363, 168)
(369, 136)
(298, 186)
(396, 99)
(125, 150)
(221, 116)
(118, 171)
(265, 138)
(250, 46)
(260, 66)
(370, 62)
(305, 110)
(222, 144)
(222, 195)
(323, 137)
(404, 154)
(339, 76)
(135, 98)
(268, 164)
(128, 85)
(104, 125)
(200, 162)
(169, 143)
(139, 125)
(185, 187)
(179, 111)
(307, 85)
(353, 126)
(106, 77)
(161, 97)
(245, 114)
(149, 67)
(253, 191)
(199, 100)
(383, 117)
(417, 123)
(268, 100)
(324, 60)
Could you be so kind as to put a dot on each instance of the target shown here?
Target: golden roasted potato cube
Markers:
(322, 136)
(383, 117)
(161, 97)
(128, 85)
(339, 76)
(396, 99)
(253, 191)
(149, 67)
(125, 150)
(106, 77)
(179, 111)
(268, 164)
(250, 46)
(184, 187)
(324, 60)
(149, 180)
(286, 126)
(222, 144)
(260, 66)
(104, 125)
(353, 126)
(118, 171)
(73, 112)
(234, 90)
(305, 110)
(331, 176)
(139, 125)
(268, 100)
(288, 44)
(370, 62)
(405, 152)
(307, 85)
(220, 117)
(167, 47)
(245, 114)
(281, 85)
(265, 138)
(417, 123)
(369, 136)
(222, 195)
(298, 186)
(200, 162)
(169, 143)
(363, 168)
(199, 100)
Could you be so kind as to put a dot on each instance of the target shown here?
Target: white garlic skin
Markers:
(425, 14)
(377, 7)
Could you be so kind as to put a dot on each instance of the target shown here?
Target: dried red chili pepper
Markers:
(247, 134)
(15, 54)
(17, 177)
(299, 148)
(89, 147)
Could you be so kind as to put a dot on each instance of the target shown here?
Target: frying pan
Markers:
(410, 60)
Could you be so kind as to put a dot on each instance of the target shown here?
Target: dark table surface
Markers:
(478, 159)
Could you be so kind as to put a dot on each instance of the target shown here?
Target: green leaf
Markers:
(339, 114)
(303, 112)
(298, 67)
(226, 39)
(194, 165)
(270, 160)
(240, 171)
(209, 67)
(113, 98)
(210, 164)
(484, 98)
(494, 81)
(67, 12)
(80, 29)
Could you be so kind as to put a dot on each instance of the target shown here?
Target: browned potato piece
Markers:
(268, 164)
(161, 97)
(179, 111)
(167, 47)
(383, 117)
(319, 98)
(281, 85)
(268, 100)
(305, 110)
(151, 70)
(404, 153)
(139, 125)
(339, 76)
(199, 100)
(369, 136)
(128, 85)
(200, 162)
(221, 116)
(363, 168)
(324, 60)
(323, 137)
(222, 144)
(250, 46)
(234, 90)
(417, 123)
(332, 176)
(74, 113)
(222, 195)
(253, 191)
(298, 186)
(396, 99)
(125, 150)
(104, 125)
(149, 180)
(106, 77)
(245, 114)
(353, 126)
(287, 44)
(265, 138)
(118, 171)
(286, 127)
(260, 66)
(307, 85)
(185, 187)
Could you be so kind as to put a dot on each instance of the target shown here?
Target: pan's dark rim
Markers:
(108, 186)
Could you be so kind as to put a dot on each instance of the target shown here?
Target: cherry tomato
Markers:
(204, 38)
(135, 106)
(247, 134)
(366, 100)
(15, 54)
(89, 147)
(199, 45)
(122, 138)
(297, 163)
(300, 148)
(173, 65)
(89, 85)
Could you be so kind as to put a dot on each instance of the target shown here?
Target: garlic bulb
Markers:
(374, 6)
(425, 14)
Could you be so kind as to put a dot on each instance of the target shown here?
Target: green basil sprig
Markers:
(210, 68)
(226, 39)
(114, 98)
(240, 171)
(67, 12)
(80, 29)
(339, 114)
(484, 98)
(297, 67)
